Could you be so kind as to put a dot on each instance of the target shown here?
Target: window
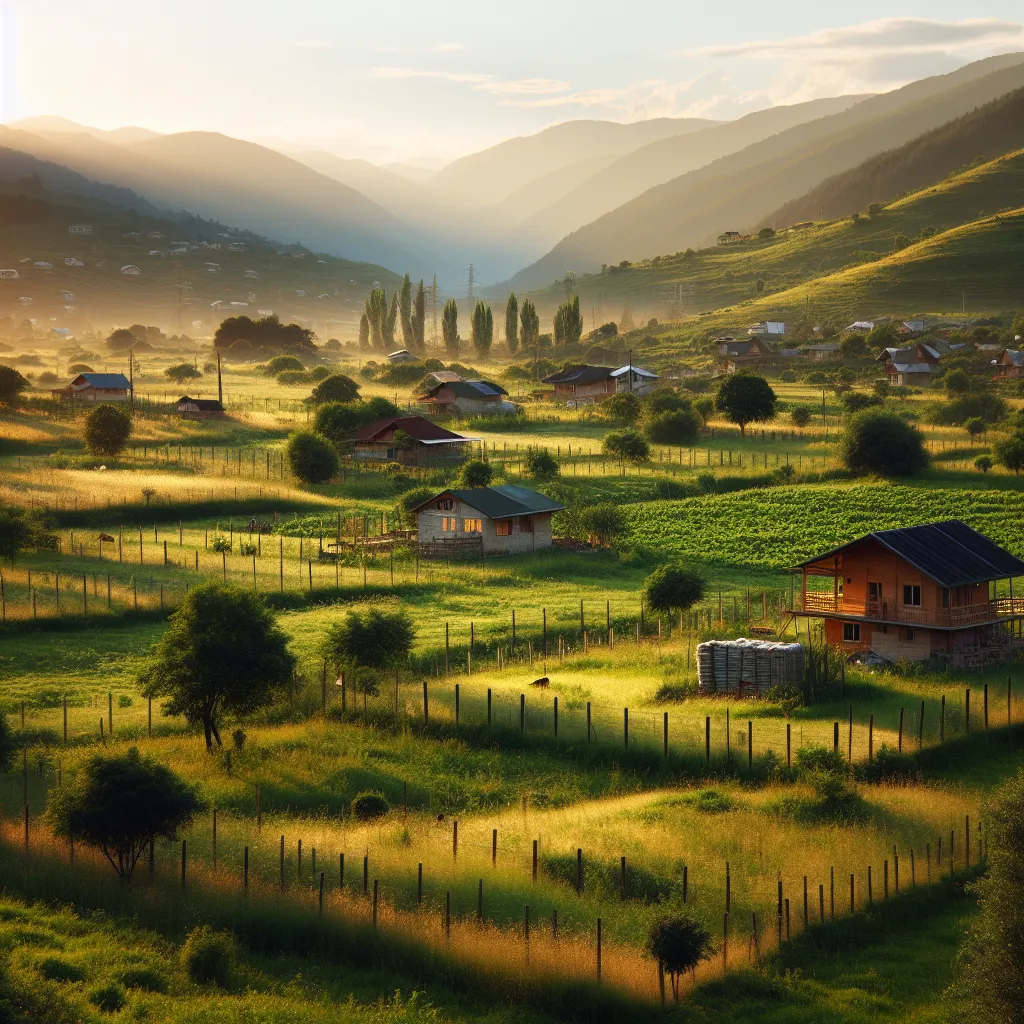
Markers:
(448, 524)
(912, 595)
(875, 592)
(446, 505)
(851, 632)
(503, 527)
(525, 524)
(909, 637)
(472, 525)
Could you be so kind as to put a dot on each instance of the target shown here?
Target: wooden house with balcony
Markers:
(942, 590)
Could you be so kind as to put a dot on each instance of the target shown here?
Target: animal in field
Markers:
(543, 683)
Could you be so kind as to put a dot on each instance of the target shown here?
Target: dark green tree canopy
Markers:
(540, 464)
(678, 427)
(529, 322)
(476, 474)
(11, 385)
(673, 588)
(336, 388)
(800, 416)
(482, 328)
(1010, 452)
(881, 442)
(222, 654)
(312, 458)
(745, 398)
(512, 323)
(679, 944)
(264, 332)
(281, 363)
(119, 804)
(375, 640)
(450, 328)
(624, 407)
(182, 372)
(21, 529)
(627, 445)
(107, 429)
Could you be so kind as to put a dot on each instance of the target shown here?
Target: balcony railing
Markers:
(823, 602)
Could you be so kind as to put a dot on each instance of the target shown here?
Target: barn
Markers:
(200, 408)
(95, 387)
(412, 440)
(942, 590)
(490, 520)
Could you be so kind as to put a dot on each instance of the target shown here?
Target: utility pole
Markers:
(220, 385)
(433, 308)
(131, 377)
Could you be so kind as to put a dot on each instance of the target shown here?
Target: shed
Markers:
(427, 442)
(1010, 363)
(583, 384)
(492, 520)
(636, 379)
(469, 396)
(200, 408)
(96, 387)
(403, 355)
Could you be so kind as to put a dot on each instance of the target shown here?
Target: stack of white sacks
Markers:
(748, 666)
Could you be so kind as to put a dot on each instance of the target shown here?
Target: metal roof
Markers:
(417, 427)
(638, 371)
(582, 374)
(502, 502)
(951, 553)
(203, 404)
(104, 380)
(471, 388)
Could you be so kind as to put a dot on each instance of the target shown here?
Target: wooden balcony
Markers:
(823, 602)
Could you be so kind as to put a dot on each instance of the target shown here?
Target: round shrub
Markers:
(107, 430)
(279, 363)
(145, 978)
(788, 376)
(627, 445)
(208, 956)
(53, 968)
(673, 588)
(369, 806)
(800, 416)
(540, 464)
(335, 387)
(312, 458)
(293, 377)
(476, 474)
(883, 443)
(679, 427)
(109, 998)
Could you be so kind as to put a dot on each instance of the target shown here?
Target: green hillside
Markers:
(35, 225)
(845, 269)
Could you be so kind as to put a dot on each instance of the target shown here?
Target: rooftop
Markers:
(417, 427)
(579, 375)
(502, 502)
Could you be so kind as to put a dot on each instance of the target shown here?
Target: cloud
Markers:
(484, 82)
(462, 77)
(311, 44)
(527, 87)
(887, 35)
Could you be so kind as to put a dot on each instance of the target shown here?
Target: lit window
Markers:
(503, 527)
(472, 525)
(448, 524)
(851, 632)
(912, 594)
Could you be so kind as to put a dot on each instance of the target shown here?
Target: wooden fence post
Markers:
(899, 735)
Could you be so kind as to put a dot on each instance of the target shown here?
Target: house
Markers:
(861, 327)
(738, 354)
(200, 408)
(10, 274)
(95, 387)
(73, 261)
(729, 238)
(491, 520)
(1009, 363)
(774, 327)
(636, 379)
(403, 355)
(442, 376)
(918, 592)
(824, 353)
(912, 327)
(469, 396)
(910, 366)
(583, 385)
(424, 442)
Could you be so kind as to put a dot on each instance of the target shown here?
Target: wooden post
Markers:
(707, 740)
(899, 735)
(534, 876)
(579, 872)
(789, 745)
(488, 706)
(967, 709)
(625, 727)
(835, 737)
(871, 738)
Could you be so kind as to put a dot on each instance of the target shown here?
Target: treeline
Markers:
(988, 132)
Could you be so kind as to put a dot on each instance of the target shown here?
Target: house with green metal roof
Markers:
(501, 520)
(468, 396)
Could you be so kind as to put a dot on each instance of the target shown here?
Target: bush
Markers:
(707, 482)
(882, 443)
(207, 956)
(888, 765)
(412, 500)
(109, 998)
(1010, 452)
(800, 416)
(369, 806)
(605, 521)
(107, 430)
(292, 378)
(680, 427)
(238, 738)
(540, 464)
(319, 374)
(624, 407)
(983, 462)
(854, 401)
(627, 445)
(335, 388)
(476, 474)
(975, 426)
(220, 543)
(978, 404)
(12, 383)
(281, 363)
(788, 376)
(53, 968)
(678, 943)
(145, 978)
(673, 588)
(312, 458)
(182, 372)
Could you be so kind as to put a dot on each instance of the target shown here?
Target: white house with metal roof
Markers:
(500, 520)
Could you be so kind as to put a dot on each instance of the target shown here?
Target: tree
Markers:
(884, 443)
(990, 963)
(745, 398)
(264, 332)
(984, 463)
(605, 521)
(11, 385)
(419, 320)
(222, 654)
(766, 233)
(853, 346)
(568, 322)
(9, 745)
(182, 372)
(673, 588)
(623, 407)
(390, 322)
(336, 388)
(957, 382)
(107, 429)
(376, 312)
(679, 427)
(364, 332)
(854, 401)
(482, 328)
(24, 528)
(975, 426)
(450, 328)
(119, 804)
(529, 321)
(627, 446)
(679, 944)
(759, 285)
(512, 323)
(374, 640)
(800, 416)
(121, 339)
(311, 457)
(405, 314)
(540, 463)
(282, 364)
(1010, 452)
(476, 474)
(885, 335)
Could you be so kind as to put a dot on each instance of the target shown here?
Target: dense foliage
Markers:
(12, 384)
(265, 332)
(107, 430)
(745, 398)
(335, 388)
(312, 457)
(373, 639)
(673, 588)
(884, 443)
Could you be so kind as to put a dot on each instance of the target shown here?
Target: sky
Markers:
(425, 83)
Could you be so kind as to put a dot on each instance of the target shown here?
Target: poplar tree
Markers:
(390, 322)
(405, 314)
(529, 333)
(568, 322)
(512, 323)
(483, 329)
(450, 328)
(364, 333)
(419, 320)
(376, 313)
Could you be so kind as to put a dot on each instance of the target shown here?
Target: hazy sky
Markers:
(419, 81)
